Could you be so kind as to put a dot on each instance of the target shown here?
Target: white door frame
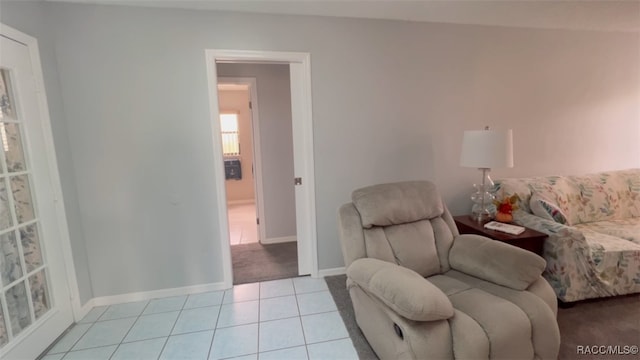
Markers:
(56, 188)
(302, 126)
(255, 138)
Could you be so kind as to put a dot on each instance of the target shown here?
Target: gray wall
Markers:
(31, 18)
(276, 142)
(390, 102)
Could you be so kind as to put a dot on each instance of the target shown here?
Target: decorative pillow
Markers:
(546, 209)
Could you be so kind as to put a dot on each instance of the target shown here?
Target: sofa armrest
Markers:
(548, 227)
(570, 263)
(403, 290)
(495, 261)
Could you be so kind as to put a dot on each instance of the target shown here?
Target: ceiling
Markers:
(579, 15)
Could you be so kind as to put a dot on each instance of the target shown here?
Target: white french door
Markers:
(34, 293)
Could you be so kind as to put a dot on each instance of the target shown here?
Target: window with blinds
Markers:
(230, 135)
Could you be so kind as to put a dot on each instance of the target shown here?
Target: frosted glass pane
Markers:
(18, 306)
(10, 269)
(5, 211)
(12, 146)
(4, 337)
(31, 247)
(7, 108)
(39, 293)
(22, 198)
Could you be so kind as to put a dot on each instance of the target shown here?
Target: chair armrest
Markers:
(403, 290)
(495, 261)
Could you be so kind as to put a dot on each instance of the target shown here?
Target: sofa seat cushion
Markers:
(509, 334)
(628, 229)
(605, 248)
(612, 265)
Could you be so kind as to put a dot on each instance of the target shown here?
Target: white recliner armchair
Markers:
(420, 290)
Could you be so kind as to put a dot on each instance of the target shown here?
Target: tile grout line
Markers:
(76, 342)
(304, 336)
(100, 318)
(173, 327)
(215, 326)
(259, 299)
(132, 325)
(86, 331)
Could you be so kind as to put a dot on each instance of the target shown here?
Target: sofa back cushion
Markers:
(525, 187)
(628, 194)
(403, 224)
(546, 209)
(582, 199)
(559, 192)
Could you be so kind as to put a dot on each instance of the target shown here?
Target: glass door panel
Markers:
(35, 303)
(24, 292)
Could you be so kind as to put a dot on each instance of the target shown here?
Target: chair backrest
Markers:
(405, 223)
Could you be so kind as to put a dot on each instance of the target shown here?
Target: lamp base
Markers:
(483, 208)
(481, 216)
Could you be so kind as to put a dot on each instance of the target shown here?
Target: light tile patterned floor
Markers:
(242, 224)
(282, 319)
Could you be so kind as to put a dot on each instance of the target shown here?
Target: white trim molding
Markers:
(279, 240)
(241, 202)
(155, 294)
(330, 272)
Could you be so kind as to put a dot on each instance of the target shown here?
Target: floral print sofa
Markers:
(593, 223)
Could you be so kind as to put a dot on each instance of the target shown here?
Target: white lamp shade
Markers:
(486, 149)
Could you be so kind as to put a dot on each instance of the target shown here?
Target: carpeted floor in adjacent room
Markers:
(257, 262)
(609, 321)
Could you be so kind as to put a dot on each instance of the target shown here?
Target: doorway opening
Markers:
(239, 154)
(285, 216)
(251, 142)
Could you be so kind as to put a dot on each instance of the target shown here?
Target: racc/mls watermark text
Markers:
(607, 349)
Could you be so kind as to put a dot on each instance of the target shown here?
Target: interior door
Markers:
(36, 306)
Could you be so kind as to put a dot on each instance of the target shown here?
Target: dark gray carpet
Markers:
(257, 262)
(610, 321)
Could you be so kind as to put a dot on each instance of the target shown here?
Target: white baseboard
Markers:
(331, 272)
(83, 310)
(154, 294)
(241, 202)
(279, 240)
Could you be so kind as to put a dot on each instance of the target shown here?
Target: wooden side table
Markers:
(530, 239)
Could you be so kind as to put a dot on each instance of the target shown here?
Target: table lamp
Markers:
(484, 150)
